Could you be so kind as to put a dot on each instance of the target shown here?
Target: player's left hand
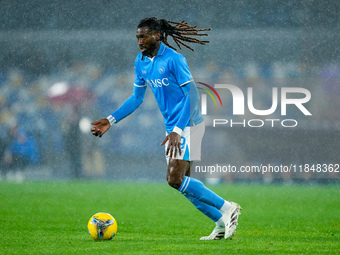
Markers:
(174, 144)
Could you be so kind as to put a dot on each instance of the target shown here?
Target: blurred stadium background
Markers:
(66, 63)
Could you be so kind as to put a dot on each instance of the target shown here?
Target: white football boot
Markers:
(230, 219)
(217, 234)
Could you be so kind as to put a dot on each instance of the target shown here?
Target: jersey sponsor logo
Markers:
(157, 83)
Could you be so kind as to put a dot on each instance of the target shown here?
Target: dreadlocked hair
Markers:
(179, 31)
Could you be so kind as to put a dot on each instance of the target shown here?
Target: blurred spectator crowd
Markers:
(38, 128)
(64, 64)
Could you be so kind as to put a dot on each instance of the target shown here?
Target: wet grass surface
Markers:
(51, 218)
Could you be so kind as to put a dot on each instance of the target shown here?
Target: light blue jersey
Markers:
(168, 76)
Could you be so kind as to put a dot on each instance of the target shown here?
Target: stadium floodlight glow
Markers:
(85, 125)
(57, 89)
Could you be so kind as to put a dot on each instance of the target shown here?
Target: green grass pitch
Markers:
(51, 218)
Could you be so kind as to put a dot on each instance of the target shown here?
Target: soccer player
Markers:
(166, 72)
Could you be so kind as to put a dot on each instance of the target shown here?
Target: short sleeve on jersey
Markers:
(181, 69)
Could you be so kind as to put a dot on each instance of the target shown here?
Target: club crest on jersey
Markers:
(144, 72)
(161, 70)
(158, 82)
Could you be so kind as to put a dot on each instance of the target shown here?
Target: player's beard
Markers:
(148, 52)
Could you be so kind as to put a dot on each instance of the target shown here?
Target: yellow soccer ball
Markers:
(102, 226)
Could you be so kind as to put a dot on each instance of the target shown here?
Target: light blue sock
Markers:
(206, 209)
(196, 189)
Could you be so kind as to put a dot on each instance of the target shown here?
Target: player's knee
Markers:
(176, 172)
(174, 181)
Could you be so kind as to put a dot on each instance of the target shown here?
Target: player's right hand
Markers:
(174, 144)
(100, 127)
